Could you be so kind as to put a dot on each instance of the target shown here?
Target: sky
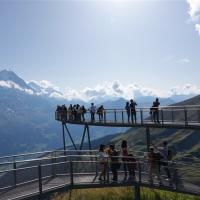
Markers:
(81, 44)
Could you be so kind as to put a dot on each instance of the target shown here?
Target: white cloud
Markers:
(107, 91)
(44, 84)
(194, 12)
(194, 9)
(186, 89)
(173, 59)
(197, 28)
(184, 60)
(11, 84)
(115, 89)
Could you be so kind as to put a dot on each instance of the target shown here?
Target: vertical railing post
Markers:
(53, 161)
(186, 118)
(137, 192)
(96, 166)
(198, 115)
(15, 172)
(104, 116)
(162, 116)
(71, 172)
(172, 115)
(141, 115)
(139, 171)
(63, 131)
(122, 116)
(115, 116)
(108, 177)
(40, 178)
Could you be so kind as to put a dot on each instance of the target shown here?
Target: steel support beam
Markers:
(137, 192)
(82, 140)
(86, 129)
(88, 134)
(70, 137)
(63, 131)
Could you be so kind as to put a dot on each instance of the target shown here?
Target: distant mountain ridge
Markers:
(10, 79)
(6, 75)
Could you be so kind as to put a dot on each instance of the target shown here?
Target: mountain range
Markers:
(27, 120)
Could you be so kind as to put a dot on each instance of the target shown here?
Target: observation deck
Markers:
(182, 117)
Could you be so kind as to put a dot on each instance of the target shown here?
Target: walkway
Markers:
(79, 169)
(184, 117)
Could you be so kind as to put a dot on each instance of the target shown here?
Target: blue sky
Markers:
(83, 43)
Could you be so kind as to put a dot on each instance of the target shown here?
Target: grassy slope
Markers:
(126, 193)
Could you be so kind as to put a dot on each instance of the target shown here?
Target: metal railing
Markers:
(46, 174)
(180, 115)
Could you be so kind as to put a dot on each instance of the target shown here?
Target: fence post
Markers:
(96, 165)
(71, 172)
(15, 173)
(198, 116)
(104, 116)
(162, 116)
(115, 116)
(108, 172)
(140, 173)
(137, 192)
(122, 116)
(186, 119)
(40, 178)
(172, 115)
(141, 115)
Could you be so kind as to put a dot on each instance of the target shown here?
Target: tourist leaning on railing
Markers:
(153, 161)
(92, 110)
(103, 164)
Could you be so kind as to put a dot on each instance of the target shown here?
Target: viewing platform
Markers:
(28, 176)
(182, 117)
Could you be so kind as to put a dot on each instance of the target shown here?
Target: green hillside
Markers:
(121, 194)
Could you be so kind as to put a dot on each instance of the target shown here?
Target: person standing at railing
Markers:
(100, 111)
(124, 152)
(70, 110)
(127, 107)
(133, 111)
(114, 162)
(58, 112)
(164, 152)
(103, 164)
(92, 110)
(64, 112)
(156, 104)
(74, 112)
(83, 111)
(153, 160)
(79, 112)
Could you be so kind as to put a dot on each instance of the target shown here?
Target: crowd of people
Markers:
(77, 112)
(111, 159)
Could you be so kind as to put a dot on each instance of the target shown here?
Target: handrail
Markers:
(14, 156)
(47, 157)
(74, 163)
(141, 158)
(176, 116)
